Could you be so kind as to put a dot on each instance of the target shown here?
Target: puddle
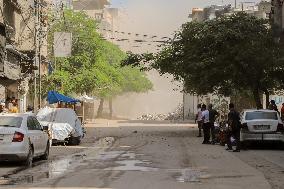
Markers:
(44, 171)
(125, 161)
(105, 156)
(132, 165)
(190, 175)
(49, 170)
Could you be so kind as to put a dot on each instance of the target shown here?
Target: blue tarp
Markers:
(55, 97)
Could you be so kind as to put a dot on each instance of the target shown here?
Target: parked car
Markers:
(261, 125)
(22, 138)
(63, 124)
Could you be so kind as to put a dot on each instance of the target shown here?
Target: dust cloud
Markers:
(160, 18)
(164, 98)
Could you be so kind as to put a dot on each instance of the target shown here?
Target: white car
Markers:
(261, 125)
(22, 138)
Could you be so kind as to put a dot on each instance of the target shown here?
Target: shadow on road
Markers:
(266, 146)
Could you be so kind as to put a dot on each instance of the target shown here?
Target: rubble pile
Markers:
(172, 116)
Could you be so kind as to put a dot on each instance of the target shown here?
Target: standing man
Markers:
(213, 114)
(234, 128)
(198, 118)
(273, 106)
(282, 112)
(206, 125)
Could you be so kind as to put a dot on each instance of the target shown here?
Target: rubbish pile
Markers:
(172, 116)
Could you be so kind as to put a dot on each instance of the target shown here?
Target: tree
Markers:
(94, 67)
(227, 54)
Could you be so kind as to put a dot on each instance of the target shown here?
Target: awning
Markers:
(55, 97)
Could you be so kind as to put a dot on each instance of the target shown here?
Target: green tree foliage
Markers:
(94, 67)
(224, 55)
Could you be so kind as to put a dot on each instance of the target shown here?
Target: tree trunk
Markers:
(257, 99)
(101, 108)
(266, 98)
(110, 108)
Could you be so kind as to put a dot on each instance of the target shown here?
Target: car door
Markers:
(34, 134)
(42, 136)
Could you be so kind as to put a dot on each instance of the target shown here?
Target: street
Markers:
(149, 154)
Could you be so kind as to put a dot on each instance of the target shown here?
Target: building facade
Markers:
(277, 17)
(17, 68)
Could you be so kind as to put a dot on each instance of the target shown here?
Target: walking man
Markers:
(213, 114)
(206, 125)
(198, 118)
(234, 128)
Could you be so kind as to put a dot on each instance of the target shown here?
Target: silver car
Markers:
(261, 125)
(22, 138)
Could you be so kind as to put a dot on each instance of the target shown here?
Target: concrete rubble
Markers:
(176, 115)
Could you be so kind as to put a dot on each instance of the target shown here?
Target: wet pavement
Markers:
(142, 156)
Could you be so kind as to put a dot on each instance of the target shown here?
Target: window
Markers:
(261, 115)
(9, 121)
(31, 124)
(37, 124)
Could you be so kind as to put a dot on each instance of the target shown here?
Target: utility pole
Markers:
(39, 50)
(36, 58)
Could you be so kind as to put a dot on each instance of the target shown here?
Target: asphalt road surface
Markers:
(150, 155)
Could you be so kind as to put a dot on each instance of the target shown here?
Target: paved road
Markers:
(132, 154)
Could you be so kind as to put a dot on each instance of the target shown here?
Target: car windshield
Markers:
(9, 121)
(261, 115)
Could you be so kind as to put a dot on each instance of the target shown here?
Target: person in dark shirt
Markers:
(273, 106)
(213, 114)
(234, 128)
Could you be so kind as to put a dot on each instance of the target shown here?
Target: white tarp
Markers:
(62, 122)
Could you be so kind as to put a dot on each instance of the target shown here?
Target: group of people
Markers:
(206, 118)
(273, 106)
(9, 106)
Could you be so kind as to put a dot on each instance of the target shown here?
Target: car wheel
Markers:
(46, 153)
(29, 160)
(244, 145)
(74, 140)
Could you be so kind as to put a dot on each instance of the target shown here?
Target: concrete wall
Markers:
(190, 106)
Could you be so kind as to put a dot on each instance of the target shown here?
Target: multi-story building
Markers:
(105, 16)
(261, 10)
(17, 26)
(277, 17)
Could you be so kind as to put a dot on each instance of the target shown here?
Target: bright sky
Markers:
(161, 17)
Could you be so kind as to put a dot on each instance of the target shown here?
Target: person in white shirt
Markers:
(198, 118)
(206, 125)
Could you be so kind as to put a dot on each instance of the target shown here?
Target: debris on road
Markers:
(172, 116)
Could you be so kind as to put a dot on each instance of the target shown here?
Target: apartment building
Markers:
(277, 17)
(17, 30)
(260, 10)
(100, 11)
